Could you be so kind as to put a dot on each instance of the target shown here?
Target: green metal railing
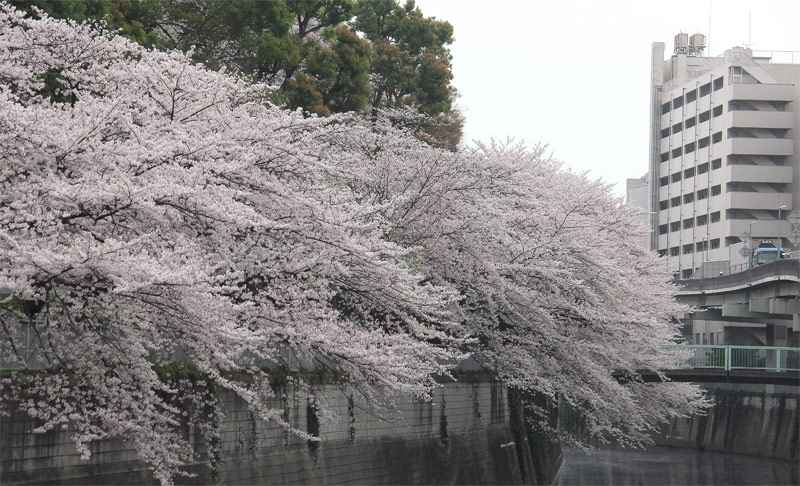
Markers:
(763, 358)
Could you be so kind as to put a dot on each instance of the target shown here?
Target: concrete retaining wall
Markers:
(747, 421)
(466, 435)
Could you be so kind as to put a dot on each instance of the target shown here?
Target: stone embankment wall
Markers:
(470, 433)
(762, 422)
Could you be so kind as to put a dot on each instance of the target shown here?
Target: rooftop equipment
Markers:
(681, 43)
(697, 43)
(691, 46)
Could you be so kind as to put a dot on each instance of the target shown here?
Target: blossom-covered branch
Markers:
(154, 212)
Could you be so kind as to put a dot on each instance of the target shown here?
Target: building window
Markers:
(702, 168)
(739, 214)
(688, 223)
(704, 90)
(675, 201)
(740, 187)
(689, 148)
(715, 217)
(717, 111)
(676, 177)
(674, 251)
(676, 128)
(702, 194)
(689, 123)
(662, 230)
(687, 249)
(717, 137)
(740, 133)
(715, 243)
(741, 106)
(665, 133)
(778, 132)
(665, 157)
(703, 117)
(778, 105)
(718, 83)
(688, 173)
(702, 220)
(691, 95)
(738, 75)
(700, 246)
(665, 108)
(676, 152)
(677, 102)
(702, 143)
(687, 198)
(716, 164)
(663, 181)
(675, 226)
(662, 205)
(778, 159)
(716, 190)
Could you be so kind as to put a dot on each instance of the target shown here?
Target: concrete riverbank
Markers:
(760, 420)
(471, 432)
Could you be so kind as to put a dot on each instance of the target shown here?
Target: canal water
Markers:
(672, 466)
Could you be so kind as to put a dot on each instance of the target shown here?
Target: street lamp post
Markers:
(750, 256)
(705, 258)
(778, 229)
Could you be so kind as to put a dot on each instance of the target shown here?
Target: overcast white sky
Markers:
(575, 74)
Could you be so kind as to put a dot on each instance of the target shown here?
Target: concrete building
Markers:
(637, 194)
(724, 169)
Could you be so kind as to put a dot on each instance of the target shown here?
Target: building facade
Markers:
(637, 194)
(724, 169)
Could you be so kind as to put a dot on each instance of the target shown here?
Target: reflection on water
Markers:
(672, 466)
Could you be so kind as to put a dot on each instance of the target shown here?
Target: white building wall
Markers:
(724, 153)
(637, 194)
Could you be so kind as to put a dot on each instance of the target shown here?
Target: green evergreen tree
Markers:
(411, 64)
(309, 48)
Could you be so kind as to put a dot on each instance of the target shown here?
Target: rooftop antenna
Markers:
(709, 28)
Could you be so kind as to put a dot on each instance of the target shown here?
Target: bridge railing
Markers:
(765, 358)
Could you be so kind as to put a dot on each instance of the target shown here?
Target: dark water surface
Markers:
(673, 466)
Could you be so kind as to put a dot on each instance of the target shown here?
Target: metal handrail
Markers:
(731, 357)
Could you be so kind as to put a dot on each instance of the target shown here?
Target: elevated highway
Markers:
(757, 307)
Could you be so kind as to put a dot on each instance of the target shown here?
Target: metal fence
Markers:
(764, 358)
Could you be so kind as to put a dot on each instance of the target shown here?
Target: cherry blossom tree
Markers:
(550, 279)
(152, 210)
